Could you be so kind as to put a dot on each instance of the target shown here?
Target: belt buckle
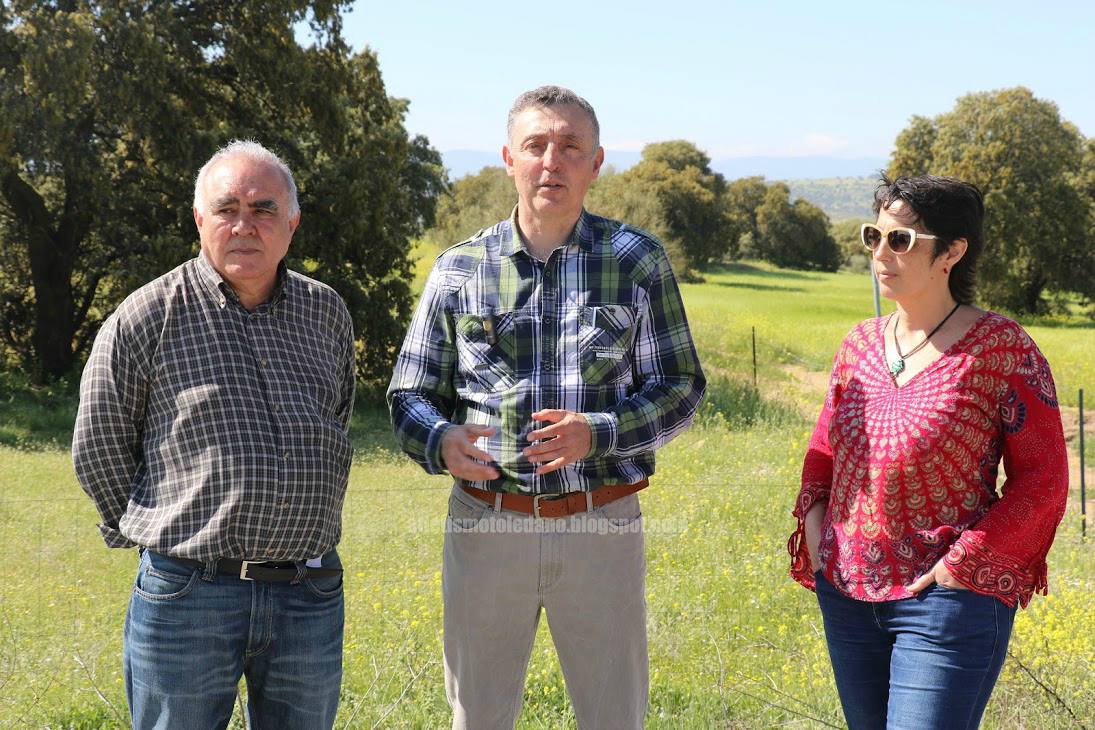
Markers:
(244, 565)
(536, 503)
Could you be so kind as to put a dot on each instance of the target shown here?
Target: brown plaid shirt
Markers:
(206, 431)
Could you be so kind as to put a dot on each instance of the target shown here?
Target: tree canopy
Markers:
(1028, 162)
(110, 108)
(794, 235)
(471, 203)
(673, 193)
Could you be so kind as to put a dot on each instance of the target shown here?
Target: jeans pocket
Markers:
(622, 513)
(328, 586)
(465, 511)
(325, 587)
(163, 583)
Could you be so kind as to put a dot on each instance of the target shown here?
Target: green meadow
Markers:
(734, 643)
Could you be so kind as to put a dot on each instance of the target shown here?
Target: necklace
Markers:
(898, 366)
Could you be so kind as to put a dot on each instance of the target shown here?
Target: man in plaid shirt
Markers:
(548, 358)
(212, 433)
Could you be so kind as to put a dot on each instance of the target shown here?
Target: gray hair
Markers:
(550, 96)
(254, 151)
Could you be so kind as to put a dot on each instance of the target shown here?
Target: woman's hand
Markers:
(938, 574)
(812, 524)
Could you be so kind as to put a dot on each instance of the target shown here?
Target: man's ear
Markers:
(598, 160)
(197, 218)
(507, 159)
(293, 223)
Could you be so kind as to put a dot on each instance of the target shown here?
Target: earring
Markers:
(946, 270)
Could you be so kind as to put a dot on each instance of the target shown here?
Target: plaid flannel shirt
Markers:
(599, 329)
(207, 431)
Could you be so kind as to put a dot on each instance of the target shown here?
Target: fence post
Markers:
(877, 294)
(755, 358)
(1083, 479)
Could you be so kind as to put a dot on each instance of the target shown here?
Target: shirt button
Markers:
(285, 456)
(276, 408)
(262, 362)
(269, 551)
(284, 505)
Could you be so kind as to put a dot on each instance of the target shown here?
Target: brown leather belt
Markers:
(558, 505)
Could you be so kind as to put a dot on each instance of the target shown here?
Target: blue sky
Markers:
(738, 79)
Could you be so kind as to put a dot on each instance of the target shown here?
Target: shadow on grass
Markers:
(736, 405)
(41, 417)
(759, 287)
(37, 417)
(741, 267)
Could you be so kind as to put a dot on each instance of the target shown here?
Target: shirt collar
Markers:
(222, 292)
(581, 236)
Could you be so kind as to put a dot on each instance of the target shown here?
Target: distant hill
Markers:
(843, 188)
(466, 162)
(840, 197)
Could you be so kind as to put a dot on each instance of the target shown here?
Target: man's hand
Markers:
(461, 456)
(565, 441)
(812, 524)
(938, 574)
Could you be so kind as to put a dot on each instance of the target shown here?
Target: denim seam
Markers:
(261, 602)
(992, 659)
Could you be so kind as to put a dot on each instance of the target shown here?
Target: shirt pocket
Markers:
(486, 349)
(605, 336)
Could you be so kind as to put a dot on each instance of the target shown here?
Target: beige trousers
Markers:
(500, 568)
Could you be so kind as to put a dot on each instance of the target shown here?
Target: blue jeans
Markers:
(923, 663)
(190, 635)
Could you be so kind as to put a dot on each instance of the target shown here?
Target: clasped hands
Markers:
(938, 574)
(566, 439)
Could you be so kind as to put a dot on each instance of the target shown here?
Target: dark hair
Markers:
(550, 96)
(948, 207)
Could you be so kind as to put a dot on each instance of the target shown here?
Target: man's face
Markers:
(552, 160)
(244, 223)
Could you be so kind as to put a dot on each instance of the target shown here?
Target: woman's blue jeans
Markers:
(923, 663)
(191, 634)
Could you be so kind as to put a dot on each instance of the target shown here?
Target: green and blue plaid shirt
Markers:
(599, 329)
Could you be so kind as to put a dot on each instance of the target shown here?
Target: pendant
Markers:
(897, 366)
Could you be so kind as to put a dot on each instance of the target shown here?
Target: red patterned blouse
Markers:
(909, 472)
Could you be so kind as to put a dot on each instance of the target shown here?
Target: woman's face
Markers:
(912, 275)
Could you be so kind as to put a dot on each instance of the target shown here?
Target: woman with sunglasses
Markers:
(918, 559)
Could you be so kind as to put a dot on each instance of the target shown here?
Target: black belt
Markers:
(267, 571)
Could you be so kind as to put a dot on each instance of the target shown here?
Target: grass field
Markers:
(734, 642)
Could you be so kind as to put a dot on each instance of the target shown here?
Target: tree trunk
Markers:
(51, 254)
(51, 274)
(1032, 292)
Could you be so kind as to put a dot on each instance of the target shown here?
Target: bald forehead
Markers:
(567, 120)
(238, 178)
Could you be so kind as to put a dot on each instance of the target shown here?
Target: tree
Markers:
(110, 108)
(742, 198)
(1027, 162)
(913, 149)
(472, 202)
(795, 235)
(847, 236)
(675, 192)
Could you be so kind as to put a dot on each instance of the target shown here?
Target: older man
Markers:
(212, 434)
(547, 360)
